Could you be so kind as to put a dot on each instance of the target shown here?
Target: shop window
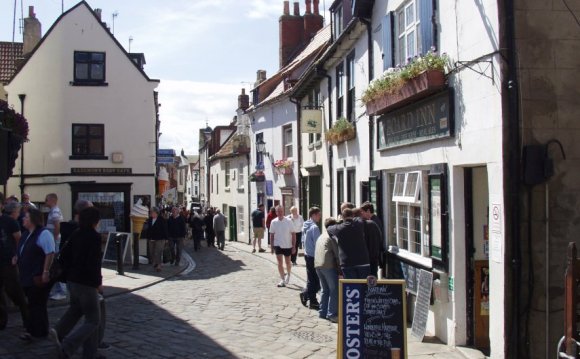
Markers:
(409, 227)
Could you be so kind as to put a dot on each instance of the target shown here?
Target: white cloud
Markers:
(263, 9)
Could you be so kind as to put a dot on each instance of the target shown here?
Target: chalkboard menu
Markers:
(110, 254)
(372, 319)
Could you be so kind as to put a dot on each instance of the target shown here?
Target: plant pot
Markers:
(284, 170)
(419, 87)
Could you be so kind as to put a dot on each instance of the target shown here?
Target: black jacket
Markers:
(374, 240)
(176, 227)
(82, 257)
(352, 247)
(157, 231)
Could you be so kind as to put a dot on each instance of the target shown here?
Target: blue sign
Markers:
(165, 152)
(269, 188)
(165, 160)
(372, 319)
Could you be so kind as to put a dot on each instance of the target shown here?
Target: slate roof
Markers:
(9, 52)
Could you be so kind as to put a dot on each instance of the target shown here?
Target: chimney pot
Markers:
(286, 7)
(316, 11)
(98, 13)
(296, 8)
(31, 11)
(308, 7)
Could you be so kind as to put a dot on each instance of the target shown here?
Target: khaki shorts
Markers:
(259, 232)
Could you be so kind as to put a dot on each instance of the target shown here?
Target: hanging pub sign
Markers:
(372, 319)
(311, 121)
(422, 121)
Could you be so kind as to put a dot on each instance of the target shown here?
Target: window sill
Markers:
(227, 189)
(89, 83)
(88, 157)
(240, 189)
(411, 257)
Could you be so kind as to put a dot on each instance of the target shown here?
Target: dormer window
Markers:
(338, 20)
(89, 68)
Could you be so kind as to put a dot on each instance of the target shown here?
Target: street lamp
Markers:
(261, 147)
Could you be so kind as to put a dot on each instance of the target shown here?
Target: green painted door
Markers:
(233, 224)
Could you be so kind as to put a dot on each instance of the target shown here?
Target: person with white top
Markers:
(283, 240)
(297, 224)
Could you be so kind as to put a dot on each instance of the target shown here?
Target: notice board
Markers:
(372, 319)
(110, 253)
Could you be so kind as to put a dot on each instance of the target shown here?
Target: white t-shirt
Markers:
(297, 223)
(282, 230)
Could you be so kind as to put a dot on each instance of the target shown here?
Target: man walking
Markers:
(197, 229)
(258, 224)
(310, 234)
(53, 221)
(219, 227)
(209, 232)
(352, 248)
(177, 230)
(283, 240)
(373, 237)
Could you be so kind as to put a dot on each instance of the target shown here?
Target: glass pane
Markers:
(79, 147)
(97, 71)
(79, 130)
(399, 184)
(81, 56)
(415, 228)
(288, 136)
(97, 57)
(401, 22)
(411, 187)
(420, 49)
(411, 44)
(409, 15)
(403, 214)
(81, 71)
(96, 146)
(289, 151)
(402, 53)
(111, 205)
(96, 131)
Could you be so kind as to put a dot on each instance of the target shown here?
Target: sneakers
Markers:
(261, 250)
(287, 280)
(303, 299)
(314, 305)
(58, 296)
(281, 284)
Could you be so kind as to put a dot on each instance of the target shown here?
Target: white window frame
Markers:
(407, 31)
(288, 149)
(241, 220)
(241, 177)
(227, 178)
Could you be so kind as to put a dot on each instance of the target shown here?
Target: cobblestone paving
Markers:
(228, 307)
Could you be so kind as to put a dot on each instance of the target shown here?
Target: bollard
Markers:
(136, 251)
(120, 258)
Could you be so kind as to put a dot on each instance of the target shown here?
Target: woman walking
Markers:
(83, 267)
(35, 254)
(297, 223)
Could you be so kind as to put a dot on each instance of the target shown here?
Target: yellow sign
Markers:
(311, 121)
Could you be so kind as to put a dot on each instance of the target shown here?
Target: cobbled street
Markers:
(228, 307)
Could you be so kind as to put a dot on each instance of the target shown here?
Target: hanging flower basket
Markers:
(16, 128)
(342, 131)
(258, 176)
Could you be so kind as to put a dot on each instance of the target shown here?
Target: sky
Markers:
(203, 51)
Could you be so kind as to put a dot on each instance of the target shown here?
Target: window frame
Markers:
(338, 20)
(87, 137)
(287, 142)
(241, 184)
(241, 220)
(314, 104)
(402, 34)
(339, 189)
(350, 87)
(89, 81)
(351, 185)
(227, 177)
(339, 90)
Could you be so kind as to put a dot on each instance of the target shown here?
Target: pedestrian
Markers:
(26, 201)
(82, 260)
(258, 224)
(157, 234)
(310, 233)
(368, 212)
(9, 283)
(177, 229)
(373, 239)
(197, 223)
(219, 226)
(352, 248)
(269, 218)
(209, 232)
(35, 254)
(283, 241)
(53, 222)
(327, 264)
(297, 223)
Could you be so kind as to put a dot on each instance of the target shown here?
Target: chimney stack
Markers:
(308, 7)
(243, 101)
(291, 33)
(260, 77)
(32, 32)
(98, 13)
(312, 22)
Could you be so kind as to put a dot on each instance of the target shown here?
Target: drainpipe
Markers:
(22, 97)
(321, 71)
(298, 152)
(512, 147)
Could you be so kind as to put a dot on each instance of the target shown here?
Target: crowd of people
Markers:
(37, 257)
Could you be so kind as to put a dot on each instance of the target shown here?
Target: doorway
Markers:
(233, 224)
(477, 256)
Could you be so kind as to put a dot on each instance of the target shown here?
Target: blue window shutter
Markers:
(388, 50)
(427, 20)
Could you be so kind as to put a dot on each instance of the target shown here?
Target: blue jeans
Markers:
(84, 301)
(329, 299)
(358, 272)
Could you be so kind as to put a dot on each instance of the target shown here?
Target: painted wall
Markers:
(125, 106)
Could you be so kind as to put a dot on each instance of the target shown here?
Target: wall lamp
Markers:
(261, 147)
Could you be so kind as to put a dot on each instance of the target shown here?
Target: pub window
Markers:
(407, 212)
(89, 67)
(88, 140)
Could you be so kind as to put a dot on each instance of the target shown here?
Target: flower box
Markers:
(284, 170)
(341, 131)
(421, 86)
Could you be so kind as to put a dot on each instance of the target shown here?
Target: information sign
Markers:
(110, 254)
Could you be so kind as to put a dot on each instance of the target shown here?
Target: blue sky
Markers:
(204, 52)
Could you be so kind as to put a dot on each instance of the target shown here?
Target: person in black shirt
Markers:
(177, 231)
(258, 224)
(209, 233)
(9, 281)
(197, 223)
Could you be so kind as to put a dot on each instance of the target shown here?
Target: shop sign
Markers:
(101, 171)
(423, 121)
(311, 121)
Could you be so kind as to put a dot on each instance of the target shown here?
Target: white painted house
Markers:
(92, 112)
